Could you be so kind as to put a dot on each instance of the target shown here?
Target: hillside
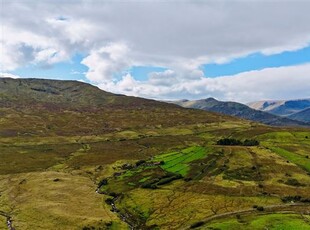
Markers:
(238, 110)
(303, 115)
(50, 107)
(76, 157)
(281, 108)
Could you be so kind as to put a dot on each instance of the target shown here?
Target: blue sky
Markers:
(68, 70)
(74, 70)
(150, 49)
(257, 61)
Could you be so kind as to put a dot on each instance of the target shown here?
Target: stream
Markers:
(126, 217)
(9, 221)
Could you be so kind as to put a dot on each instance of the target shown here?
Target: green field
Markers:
(258, 222)
(302, 161)
(178, 162)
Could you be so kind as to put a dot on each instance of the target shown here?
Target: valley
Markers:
(104, 161)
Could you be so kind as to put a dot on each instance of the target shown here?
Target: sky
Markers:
(231, 50)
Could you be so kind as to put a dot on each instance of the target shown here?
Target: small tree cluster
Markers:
(229, 141)
(250, 142)
(233, 141)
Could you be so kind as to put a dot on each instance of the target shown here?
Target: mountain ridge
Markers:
(53, 107)
(238, 110)
(303, 115)
(281, 107)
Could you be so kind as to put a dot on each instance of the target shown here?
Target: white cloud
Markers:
(106, 61)
(8, 75)
(181, 36)
(159, 32)
(271, 83)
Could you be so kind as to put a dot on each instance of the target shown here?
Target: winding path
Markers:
(267, 209)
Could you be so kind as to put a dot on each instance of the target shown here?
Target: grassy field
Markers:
(215, 179)
(256, 222)
(296, 158)
(178, 162)
(53, 200)
(158, 164)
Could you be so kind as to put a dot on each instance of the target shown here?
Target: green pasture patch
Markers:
(278, 136)
(299, 160)
(302, 135)
(275, 221)
(177, 162)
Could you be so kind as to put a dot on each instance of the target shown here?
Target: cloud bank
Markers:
(178, 35)
(271, 83)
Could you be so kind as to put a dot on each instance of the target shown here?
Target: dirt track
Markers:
(293, 208)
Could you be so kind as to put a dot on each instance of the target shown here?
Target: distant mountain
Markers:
(303, 115)
(281, 108)
(238, 110)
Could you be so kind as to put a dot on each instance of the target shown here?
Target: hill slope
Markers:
(303, 115)
(281, 108)
(238, 110)
(49, 107)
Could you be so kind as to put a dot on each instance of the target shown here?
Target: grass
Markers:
(178, 162)
(276, 221)
(38, 201)
(302, 161)
(3, 222)
(83, 135)
(172, 208)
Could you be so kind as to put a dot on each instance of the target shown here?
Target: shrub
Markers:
(113, 194)
(165, 180)
(140, 162)
(109, 201)
(293, 182)
(102, 182)
(287, 199)
(197, 224)
(126, 166)
(229, 141)
(260, 208)
(250, 142)
(149, 185)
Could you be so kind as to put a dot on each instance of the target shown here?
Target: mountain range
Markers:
(240, 110)
(281, 107)
(303, 115)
